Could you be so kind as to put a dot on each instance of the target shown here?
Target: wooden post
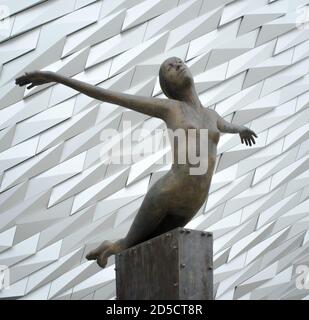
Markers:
(176, 265)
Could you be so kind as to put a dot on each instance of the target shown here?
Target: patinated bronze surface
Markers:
(175, 198)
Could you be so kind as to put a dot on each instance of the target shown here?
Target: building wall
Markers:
(61, 194)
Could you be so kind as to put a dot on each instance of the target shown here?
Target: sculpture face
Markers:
(177, 73)
(175, 76)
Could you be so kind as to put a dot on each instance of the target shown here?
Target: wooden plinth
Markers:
(175, 265)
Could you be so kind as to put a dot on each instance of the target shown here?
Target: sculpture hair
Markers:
(168, 89)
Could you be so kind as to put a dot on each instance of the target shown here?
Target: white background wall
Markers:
(60, 196)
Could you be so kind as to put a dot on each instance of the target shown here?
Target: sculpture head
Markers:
(174, 78)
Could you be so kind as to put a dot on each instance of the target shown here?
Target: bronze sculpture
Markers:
(175, 198)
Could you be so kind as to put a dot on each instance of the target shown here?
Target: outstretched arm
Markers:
(246, 134)
(155, 107)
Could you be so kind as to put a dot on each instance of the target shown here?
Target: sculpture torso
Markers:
(185, 193)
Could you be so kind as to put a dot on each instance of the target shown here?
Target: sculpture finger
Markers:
(31, 86)
(22, 81)
(18, 80)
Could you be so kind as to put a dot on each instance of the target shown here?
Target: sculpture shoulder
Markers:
(211, 114)
(210, 119)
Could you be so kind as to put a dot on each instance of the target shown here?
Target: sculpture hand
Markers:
(35, 78)
(247, 136)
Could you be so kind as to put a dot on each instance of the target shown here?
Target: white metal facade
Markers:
(59, 194)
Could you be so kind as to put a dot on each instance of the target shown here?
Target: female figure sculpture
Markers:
(175, 198)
